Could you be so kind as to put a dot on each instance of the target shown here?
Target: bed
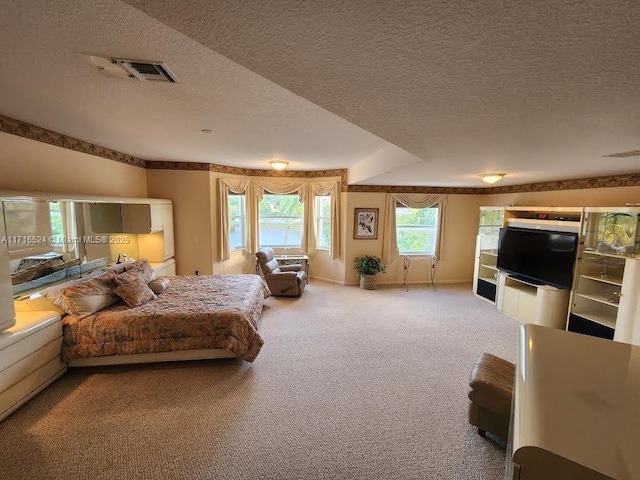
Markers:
(196, 317)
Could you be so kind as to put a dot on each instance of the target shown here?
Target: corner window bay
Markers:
(280, 221)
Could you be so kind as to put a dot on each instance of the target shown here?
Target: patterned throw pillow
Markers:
(130, 276)
(88, 297)
(144, 267)
(135, 293)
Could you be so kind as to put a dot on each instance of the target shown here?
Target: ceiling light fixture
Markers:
(279, 164)
(492, 178)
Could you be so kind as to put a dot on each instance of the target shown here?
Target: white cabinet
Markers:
(485, 273)
(142, 218)
(128, 217)
(159, 246)
(606, 288)
(29, 358)
(152, 222)
(537, 304)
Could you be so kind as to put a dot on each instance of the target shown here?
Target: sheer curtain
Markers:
(411, 200)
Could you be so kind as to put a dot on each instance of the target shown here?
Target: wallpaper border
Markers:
(33, 132)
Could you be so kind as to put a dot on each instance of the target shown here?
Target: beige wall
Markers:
(458, 242)
(190, 193)
(28, 165)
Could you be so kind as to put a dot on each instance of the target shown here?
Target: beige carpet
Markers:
(350, 384)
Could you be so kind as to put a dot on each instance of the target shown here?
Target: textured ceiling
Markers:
(401, 92)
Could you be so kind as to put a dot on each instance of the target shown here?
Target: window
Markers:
(57, 225)
(63, 229)
(323, 222)
(237, 221)
(280, 221)
(417, 230)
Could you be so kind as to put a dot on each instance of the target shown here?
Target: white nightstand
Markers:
(29, 358)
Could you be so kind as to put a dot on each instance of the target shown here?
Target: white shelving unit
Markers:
(522, 300)
(606, 288)
(485, 273)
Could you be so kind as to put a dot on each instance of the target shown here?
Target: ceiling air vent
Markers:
(632, 153)
(143, 70)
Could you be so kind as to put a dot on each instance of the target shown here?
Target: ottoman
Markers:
(491, 383)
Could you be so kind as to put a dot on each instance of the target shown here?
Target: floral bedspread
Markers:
(194, 312)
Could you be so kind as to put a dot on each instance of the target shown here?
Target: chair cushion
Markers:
(491, 381)
(267, 261)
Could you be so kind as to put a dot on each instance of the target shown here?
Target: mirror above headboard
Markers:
(50, 237)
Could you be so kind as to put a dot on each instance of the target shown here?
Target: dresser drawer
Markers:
(29, 344)
(29, 386)
(29, 364)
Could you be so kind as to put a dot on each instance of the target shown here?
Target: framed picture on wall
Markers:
(365, 225)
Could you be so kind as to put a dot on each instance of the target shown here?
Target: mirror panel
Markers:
(49, 241)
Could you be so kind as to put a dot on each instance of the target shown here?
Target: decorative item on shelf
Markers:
(367, 267)
(617, 233)
(492, 178)
(615, 298)
(365, 225)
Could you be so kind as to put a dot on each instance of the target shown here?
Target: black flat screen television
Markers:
(539, 256)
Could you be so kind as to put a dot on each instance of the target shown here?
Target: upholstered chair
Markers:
(283, 280)
(491, 382)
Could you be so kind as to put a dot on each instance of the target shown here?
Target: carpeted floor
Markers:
(350, 384)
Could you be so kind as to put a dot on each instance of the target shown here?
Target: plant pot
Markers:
(368, 282)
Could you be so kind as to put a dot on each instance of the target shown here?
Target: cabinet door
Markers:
(157, 217)
(527, 307)
(510, 301)
(105, 218)
(136, 218)
(167, 216)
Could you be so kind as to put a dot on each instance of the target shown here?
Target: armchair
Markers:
(283, 280)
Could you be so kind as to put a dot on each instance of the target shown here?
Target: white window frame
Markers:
(242, 217)
(260, 217)
(319, 219)
(435, 229)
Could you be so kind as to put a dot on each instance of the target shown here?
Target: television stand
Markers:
(527, 280)
(527, 302)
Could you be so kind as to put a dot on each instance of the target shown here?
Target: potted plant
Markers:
(367, 267)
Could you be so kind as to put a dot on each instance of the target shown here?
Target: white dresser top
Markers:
(27, 323)
(579, 397)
